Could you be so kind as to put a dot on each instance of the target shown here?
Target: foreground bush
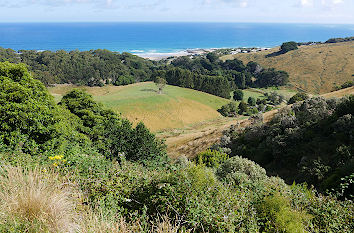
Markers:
(236, 167)
(196, 199)
(277, 215)
(29, 118)
(112, 135)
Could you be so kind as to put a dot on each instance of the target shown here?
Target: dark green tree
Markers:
(242, 107)
(288, 46)
(251, 101)
(238, 95)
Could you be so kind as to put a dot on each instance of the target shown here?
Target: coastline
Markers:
(156, 56)
(160, 55)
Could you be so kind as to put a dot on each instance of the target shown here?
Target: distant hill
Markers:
(175, 108)
(314, 68)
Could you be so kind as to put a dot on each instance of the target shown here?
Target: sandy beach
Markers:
(187, 52)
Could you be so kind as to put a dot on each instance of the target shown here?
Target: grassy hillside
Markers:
(315, 69)
(175, 108)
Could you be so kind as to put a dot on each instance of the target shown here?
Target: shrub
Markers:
(211, 158)
(298, 97)
(195, 198)
(29, 117)
(124, 80)
(228, 110)
(344, 85)
(275, 98)
(237, 166)
(277, 216)
(112, 135)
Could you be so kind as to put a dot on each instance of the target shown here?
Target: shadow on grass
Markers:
(149, 90)
(274, 54)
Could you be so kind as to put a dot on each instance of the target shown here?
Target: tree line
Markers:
(205, 73)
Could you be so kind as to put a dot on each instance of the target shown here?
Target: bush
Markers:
(228, 110)
(211, 158)
(298, 97)
(112, 135)
(124, 80)
(195, 198)
(29, 118)
(345, 85)
(275, 98)
(277, 216)
(236, 166)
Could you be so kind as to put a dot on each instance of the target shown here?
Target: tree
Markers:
(288, 46)
(238, 95)
(228, 110)
(271, 77)
(251, 101)
(242, 107)
(160, 83)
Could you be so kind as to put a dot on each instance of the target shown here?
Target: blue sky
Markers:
(297, 11)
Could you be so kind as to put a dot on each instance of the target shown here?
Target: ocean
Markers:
(142, 38)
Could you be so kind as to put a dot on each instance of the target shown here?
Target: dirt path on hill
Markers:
(195, 140)
(190, 141)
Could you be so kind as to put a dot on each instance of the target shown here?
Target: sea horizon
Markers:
(161, 37)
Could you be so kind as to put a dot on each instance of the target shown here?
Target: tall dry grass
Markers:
(96, 223)
(34, 201)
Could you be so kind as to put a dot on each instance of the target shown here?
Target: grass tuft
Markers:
(34, 201)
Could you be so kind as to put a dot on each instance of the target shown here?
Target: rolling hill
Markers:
(315, 68)
(175, 108)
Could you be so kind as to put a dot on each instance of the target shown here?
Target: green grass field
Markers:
(175, 108)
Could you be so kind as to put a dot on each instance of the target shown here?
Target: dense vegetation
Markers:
(234, 71)
(344, 85)
(337, 40)
(78, 167)
(100, 67)
(311, 141)
(32, 122)
(253, 106)
(93, 68)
